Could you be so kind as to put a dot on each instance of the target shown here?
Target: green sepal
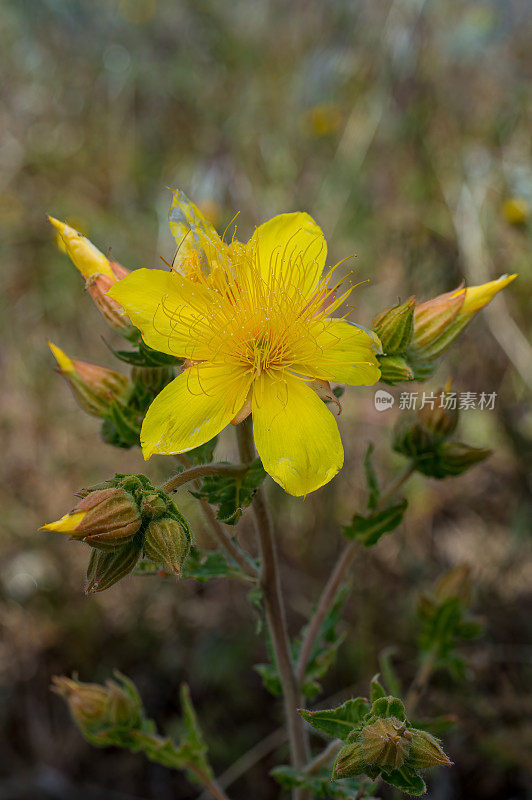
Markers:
(145, 356)
(394, 327)
(369, 529)
(106, 568)
(232, 493)
(394, 369)
(338, 722)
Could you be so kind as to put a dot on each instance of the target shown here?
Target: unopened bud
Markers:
(385, 743)
(107, 568)
(394, 327)
(410, 437)
(438, 322)
(123, 711)
(394, 369)
(516, 210)
(350, 761)
(94, 387)
(105, 518)
(167, 542)
(440, 421)
(87, 702)
(426, 751)
(85, 256)
(455, 583)
(456, 458)
(152, 505)
(98, 286)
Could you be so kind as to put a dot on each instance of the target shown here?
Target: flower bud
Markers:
(154, 379)
(97, 286)
(426, 751)
(123, 710)
(394, 369)
(455, 583)
(87, 702)
(152, 505)
(516, 210)
(385, 743)
(350, 761)
(94, 387)
(410, 437)
(456, 458)
(105, 519)
(85, 256)
(440, 421)
(167, 542)
(438, 322)
(107, 568)
(394, 327)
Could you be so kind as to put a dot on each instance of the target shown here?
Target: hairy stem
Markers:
(201, 471)
(336, 579)
(210, 784)
(274, 607)
(218, 530)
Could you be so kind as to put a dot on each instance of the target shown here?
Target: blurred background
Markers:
(403, 127)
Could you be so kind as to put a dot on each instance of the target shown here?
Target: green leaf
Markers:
(338, 722)
(372, 483)
(206, 566)
(193, 741)
(204, 453)
(324, 651)
(390, 676)
(232, 493)
(144, 356)
(320, 784)
(376, 689)
(270, 678)
(407, 780)
(369, 529)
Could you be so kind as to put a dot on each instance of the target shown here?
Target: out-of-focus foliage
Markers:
(403, 127)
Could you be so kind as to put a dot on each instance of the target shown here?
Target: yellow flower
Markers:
(254, 323)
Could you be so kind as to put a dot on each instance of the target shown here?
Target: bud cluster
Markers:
(414, 335)
(423, 435)
(122, 519)
(385, 743)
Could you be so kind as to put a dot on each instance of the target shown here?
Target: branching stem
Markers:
(218, 530)
(202, 471)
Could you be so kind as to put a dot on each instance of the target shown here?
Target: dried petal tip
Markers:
(85, 256)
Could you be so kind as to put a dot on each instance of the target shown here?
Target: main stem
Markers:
(274, 606)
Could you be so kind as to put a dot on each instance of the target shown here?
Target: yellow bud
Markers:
(85, 256)
(67, 524)
(516, 210)
(477, 297)
(94, 387)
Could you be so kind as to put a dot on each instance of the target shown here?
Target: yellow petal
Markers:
(67, 524)
(291, 251)
(65, 363)
(346, 354)
(193, 408)
(295, 434)
(167, 309)
(479, 296)
(192, 232)
(86, 257)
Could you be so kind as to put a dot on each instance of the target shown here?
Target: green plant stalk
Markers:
(274, 608)
(218, 530)
(421, 680)
(200, 471)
